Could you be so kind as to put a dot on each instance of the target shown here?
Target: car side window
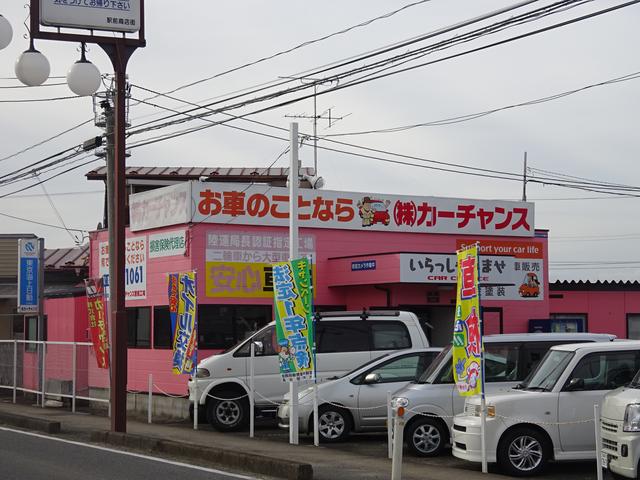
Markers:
(266, 338)
(403, 369)
(501, 362)
(603, 371)
(389, 336)
(342, 336)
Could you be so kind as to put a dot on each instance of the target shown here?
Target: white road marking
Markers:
(131, 454)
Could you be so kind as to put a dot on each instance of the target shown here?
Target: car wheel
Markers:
(523, 452)
(334, 424)
(426, 437)
(227, 412)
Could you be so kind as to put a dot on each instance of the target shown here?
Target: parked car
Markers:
(620, 430)
(509, 359)
(344, 340)
(551, 415)
(347, 404)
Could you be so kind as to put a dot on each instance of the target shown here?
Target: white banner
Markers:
(110, 15)
(160, 207)
(135, 266)
(248, 247)
(501, 277)
(167, 244)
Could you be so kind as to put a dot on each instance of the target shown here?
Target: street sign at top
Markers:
(110, 15)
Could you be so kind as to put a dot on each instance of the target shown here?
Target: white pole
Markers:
(316, 429)
(196, 398)
(483, 424)
(74, 372)
(150, 399)
(398, 434)
(44, 378)
(15, 369)
(252, 402)
(389, 426)
(596, 417)
(294, 172)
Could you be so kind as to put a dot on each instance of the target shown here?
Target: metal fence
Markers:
(52, 370)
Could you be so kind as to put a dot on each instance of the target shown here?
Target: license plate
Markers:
(604, 460)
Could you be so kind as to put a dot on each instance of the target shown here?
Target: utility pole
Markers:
(524, 179)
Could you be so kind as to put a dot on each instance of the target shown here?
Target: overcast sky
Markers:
(591, 134)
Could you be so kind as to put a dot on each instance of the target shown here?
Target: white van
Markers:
(551, 416)
(344, 340)
(509, 358)
(620, 430)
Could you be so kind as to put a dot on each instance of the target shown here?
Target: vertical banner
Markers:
(185, 339)
(97, 320)
(172, 291)
(28, 272)
(294, 323)
(467, 336)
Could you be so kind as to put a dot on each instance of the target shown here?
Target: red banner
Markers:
(98, 320)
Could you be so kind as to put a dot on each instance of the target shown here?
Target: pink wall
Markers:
(606, 310)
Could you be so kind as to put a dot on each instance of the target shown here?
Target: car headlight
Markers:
(632, 418)
(203, 373)
(475, 410)
(399, 402)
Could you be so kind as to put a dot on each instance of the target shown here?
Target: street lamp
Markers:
(83, 77)
(6, 32)
(32, 67)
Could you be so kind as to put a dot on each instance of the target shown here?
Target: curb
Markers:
(29, 422)
(250, 462)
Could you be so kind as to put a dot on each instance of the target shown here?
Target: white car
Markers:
(620, 430)
(551, 416)
(432, 401)
(346, 404)
(344, 340)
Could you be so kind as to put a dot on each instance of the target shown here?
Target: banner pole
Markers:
(596, 417)
(252, 403)
(389, 426)
(74, 369)
(150, 398)
(483, 403)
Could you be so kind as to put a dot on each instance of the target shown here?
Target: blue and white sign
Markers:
(363, 265)
(28, 272)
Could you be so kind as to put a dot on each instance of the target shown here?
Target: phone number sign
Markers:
(135, 275)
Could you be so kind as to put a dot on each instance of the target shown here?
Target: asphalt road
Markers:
(26, 456)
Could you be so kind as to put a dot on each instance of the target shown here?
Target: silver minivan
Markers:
(432, 401)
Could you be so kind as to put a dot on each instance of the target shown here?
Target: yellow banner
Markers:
(467, 337)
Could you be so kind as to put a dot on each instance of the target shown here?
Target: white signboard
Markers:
(258, 204)
(501, 277)
(135, 266)
(250, 247)
(167, 244)
(109, 15)
(160, 207)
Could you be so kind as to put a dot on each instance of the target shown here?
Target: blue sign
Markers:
(365, 265)
(28, 272)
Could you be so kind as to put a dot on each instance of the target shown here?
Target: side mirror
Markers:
(575, 384)
(372, 378)
(258, 348)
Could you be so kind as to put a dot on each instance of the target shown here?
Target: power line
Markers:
(41, 223)
(31, 100)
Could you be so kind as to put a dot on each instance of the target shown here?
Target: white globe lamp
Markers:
(83, 77)
(32, 67)
(6, 32)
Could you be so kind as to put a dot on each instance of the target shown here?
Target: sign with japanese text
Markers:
(363, 265)
(467, 336)
(28, 275)
(167, 244)
(185, 336)
(258, 204)
(160, 207)
(98, 320)
(249, 247)
(135, 275)
(109, 15)
(294, 321)
(172, 291)
(502, 277)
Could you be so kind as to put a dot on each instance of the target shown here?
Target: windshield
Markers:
(432, 373)
(548, 371)
(635, 383)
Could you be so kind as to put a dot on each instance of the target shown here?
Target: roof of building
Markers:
(65, 258)
(222, 174)
(600, 285)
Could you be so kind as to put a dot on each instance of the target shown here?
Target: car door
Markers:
(268, 383)
(394, 374)
(594, 376)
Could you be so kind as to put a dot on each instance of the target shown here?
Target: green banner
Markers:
(294, 320)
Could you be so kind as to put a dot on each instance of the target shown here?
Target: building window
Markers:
(162, 333)
(633, 326)
(222, 326)
(33, 333)
(568, 322)
(139, 327)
